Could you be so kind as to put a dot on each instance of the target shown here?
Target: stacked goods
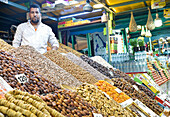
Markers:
(157, 75)
(101, 61)
(98, 99)
(141, 87)
(105, 71)
(5, 46)
(22, 104)
(134, 94)
(68, 49)
(69, 104)
(44, 66)
(78, 61)
(120, 74)
(70, 67)
(10, 66)
(112, 91)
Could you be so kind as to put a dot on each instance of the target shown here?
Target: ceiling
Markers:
(14, 12)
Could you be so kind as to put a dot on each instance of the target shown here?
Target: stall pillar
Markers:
(150, 43)
(108, 41)
(125, 39)
(72, 39)
(89, 44)
(59, 36)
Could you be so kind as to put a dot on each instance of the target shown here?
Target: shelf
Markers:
(93, 24)
(136, 73)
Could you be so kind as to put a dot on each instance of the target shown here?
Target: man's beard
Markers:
(35, 22)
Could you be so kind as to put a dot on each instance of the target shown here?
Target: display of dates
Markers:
(10, 66)
(69, 104)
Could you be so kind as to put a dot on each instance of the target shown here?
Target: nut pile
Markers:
(133, 93)
(10, 66)
(109, 89)
(61, 50)
(120, 74)
(68, 49)
(5, 46)
(107, 107)
(69, 104)
(97, 66)
(22, 104)
(78, 61)
(70, 67)
(101, 61)
(44, 66)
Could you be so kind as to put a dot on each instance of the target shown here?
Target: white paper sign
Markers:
(97, 115)
(136, 87)
(106, 95)
(118, 90)
(4, 86)
(21, 78)
(4, 1)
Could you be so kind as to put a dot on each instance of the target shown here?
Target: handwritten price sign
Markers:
(21, 78)
(97, 115)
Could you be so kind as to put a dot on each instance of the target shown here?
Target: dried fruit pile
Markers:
(68, 49)
(78, 61)
(69, 104)
(112, 91)
(106, 106)
(105, 71)
(44, 66)
(10, 66)
(70, 67)
(22, 104)
(5, 46)
(133, 93)
(120, 74)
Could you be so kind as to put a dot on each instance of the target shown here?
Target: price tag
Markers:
(97, 115)
(106, 95)
(4, 1)
(21, 78)
(118, 90)
(136, 87)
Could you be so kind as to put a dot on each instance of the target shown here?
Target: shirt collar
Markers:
(29, 23)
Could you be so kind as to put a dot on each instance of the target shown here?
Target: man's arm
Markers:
(53, 41)
(18, 37)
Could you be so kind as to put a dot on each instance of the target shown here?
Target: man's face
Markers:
(35, 15)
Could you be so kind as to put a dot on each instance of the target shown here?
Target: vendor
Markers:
(35, 33)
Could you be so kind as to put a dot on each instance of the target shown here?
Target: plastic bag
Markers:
(132, 25)
(150, 23)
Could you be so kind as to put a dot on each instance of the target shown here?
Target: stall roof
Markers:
(14, 12)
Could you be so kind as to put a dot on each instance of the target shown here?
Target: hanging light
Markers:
(158, 21)
(88, 7)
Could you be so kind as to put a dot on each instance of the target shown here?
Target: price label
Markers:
(118, 90)
(21, 78)
(4, 1)
(97, 115)
(136, 87)
(106, 95)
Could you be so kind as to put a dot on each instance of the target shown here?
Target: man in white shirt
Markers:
(35, 33)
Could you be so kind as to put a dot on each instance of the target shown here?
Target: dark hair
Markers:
(35, 6)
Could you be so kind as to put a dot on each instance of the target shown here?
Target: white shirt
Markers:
(26, 35)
